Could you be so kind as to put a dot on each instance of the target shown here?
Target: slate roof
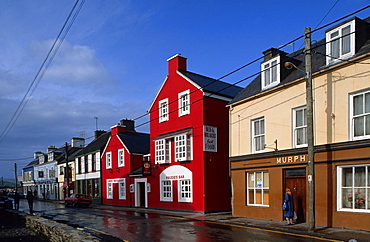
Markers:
(31, 164)
(135, 142)
(212, 85)
(318, 64)
(97, 144)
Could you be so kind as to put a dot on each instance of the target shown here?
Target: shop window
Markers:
(122, 190)
(257, 188)
(166, 190)
(109, 190)
(185, 190)
(354, 188)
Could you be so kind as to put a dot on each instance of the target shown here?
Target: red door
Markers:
(295, 179)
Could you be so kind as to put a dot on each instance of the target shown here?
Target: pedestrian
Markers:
(289, 210)
(30, 201)
(16, 200)
(35, 194)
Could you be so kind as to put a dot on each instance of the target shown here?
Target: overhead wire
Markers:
(43, 68)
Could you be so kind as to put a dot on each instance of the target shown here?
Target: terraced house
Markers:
(269, 132)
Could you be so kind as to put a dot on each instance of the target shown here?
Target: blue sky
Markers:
(113, 60)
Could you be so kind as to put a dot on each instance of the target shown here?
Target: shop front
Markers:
(342, 184)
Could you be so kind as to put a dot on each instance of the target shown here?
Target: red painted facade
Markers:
(200, 182)
(115, 178)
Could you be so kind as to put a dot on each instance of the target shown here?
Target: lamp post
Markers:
(310, 130)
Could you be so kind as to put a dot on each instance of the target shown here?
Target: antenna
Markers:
(96, 123)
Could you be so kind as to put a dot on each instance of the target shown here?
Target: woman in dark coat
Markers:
(289, 211)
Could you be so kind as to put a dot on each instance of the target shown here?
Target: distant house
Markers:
(28, 179)
(88, 167)
(189, 146)
(268, 132)
(122, 163)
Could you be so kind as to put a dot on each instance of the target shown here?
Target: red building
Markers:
(123, 154)
(189, 142)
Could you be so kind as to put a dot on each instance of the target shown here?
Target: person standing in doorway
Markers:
(30, 201)
(289, 211)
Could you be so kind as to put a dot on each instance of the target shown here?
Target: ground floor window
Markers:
(257, 192)
(185, 190)
(122, 190)
(354, 188)
(109, 190)
(166, 190)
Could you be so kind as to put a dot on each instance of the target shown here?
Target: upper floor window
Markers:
(271, 73)
(360, 115)
(184, 101)
(183, 147)
(340, 42)
(41, 174)
(258, 135)
(93, 161)
(51, 156)
(162, 151)
(108, 160)
(300, 127)
(121, 158)
(163, 110)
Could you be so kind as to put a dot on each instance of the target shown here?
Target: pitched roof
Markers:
(97, 144)
(135, 142)
(318, 64)
(31, 164)
(212, 85)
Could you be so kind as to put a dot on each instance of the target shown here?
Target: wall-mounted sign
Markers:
(146, 168)
(210, 138)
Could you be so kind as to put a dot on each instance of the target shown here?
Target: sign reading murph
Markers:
(210, 138)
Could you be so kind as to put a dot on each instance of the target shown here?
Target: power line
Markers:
(42, 70)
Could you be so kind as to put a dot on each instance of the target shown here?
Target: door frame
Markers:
(137, 192)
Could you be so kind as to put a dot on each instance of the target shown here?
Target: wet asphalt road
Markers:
(134, 226)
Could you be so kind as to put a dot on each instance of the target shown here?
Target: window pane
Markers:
(301, 136)
(347, 177)
(258, 196)
(360, 198)
(262, 126)
(266, 197)
(274, 71)
(360, 177)
(358, 104)
(251, 196)
(347, 198)
(251, 180)
(359, 126)
(334, 46)
(346, 40)
(265, 179)
(299, 118)
(367, 102)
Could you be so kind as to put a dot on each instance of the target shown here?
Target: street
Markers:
(116, 224)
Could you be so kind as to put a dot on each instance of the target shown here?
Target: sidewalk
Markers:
(225, 218)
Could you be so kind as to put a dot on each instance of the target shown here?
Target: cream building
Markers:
(268, 141)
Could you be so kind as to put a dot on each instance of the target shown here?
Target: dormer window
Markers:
(51, 156)
(340, 42)
(271, 73)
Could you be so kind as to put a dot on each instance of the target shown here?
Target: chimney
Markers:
(78, 142)
(129, 124)
(175, 63)
(98, 133)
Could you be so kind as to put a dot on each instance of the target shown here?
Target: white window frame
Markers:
(256, 137)
(185, 190)
(330, 59)
(166, 190)
(184, 103)
(108, 160)
(365, 115)
(270, 71)
(163, 110)
(122, 189)
(353, 189)
(109, 190)
(121, 157)
(183, 147)
(257, 185)
(159, 151)
(296, 128)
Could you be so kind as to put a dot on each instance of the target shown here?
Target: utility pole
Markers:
(15, 174)
(66, 173)
(310, 132)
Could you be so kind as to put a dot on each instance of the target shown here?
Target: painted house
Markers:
(88, 167)
(122, 162)
(268, 132)
(28, 179)
(189, 142)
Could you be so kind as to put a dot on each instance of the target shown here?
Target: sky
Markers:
(114, 58)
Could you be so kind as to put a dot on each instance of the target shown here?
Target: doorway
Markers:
(295, 179)
(141, 193)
